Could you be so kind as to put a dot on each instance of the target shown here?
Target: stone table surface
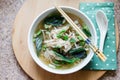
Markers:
(9, 67)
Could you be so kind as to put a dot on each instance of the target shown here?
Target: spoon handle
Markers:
(102, 23)
(102, 39)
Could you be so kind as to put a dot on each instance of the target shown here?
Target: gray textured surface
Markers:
(9, 67)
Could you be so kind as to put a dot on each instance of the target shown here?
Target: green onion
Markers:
(61, 33)
(37, 33)
(82, 43)
(65, 37)
(79, 37)
(44, 47)
(62, 36)
(72, 40)
(86, 30)
(47, 26)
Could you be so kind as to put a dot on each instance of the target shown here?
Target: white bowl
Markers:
(40, 17)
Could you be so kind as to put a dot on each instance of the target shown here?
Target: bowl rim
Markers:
(33, 54)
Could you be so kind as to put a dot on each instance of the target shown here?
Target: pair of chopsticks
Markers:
(80, 32)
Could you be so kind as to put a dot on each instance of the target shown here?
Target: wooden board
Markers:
(24, 18)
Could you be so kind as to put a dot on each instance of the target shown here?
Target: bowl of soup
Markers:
(55, 46)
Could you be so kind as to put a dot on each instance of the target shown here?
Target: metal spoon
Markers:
(102, 23)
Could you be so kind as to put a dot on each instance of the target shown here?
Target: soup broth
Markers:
(57, 44)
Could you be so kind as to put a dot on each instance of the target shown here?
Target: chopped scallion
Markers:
(72, 40)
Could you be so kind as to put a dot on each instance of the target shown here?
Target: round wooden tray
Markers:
(24, 18)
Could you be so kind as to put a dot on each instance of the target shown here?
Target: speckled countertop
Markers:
(9, 67)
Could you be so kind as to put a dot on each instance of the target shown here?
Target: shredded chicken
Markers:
(72, 35)
(59, 42)
(67, 46)
(56, 31)
(49, 54)
(54, 42)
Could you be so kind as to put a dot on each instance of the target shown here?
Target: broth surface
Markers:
(63, 64)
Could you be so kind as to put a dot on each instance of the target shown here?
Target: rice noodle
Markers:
(43, 34)
(49, 54)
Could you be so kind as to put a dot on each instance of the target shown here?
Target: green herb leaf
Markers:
(65, 37)
(81, 55)
(65, 58)
(62, 31)
(38, 44)
(56, 62)
(72, 40)
(37, 39)
(79, 37)
(54, 20)
(76, 50)
(61, 35)
(78, 53)
(86, 30)
(37, 33)
(44, 47)
(82, 43)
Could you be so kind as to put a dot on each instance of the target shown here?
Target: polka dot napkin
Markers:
(90, 10)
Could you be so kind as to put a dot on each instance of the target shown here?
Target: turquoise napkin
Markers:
(90, 10)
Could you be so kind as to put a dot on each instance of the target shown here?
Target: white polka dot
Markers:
(113, 59)
(92, 8)
(108, 46)
(88, 4)
(113, 41)
(108, 11)
(98, 4)
(103, 8)
(92, 16)
(101, 68)
(108, 20)
(107, 55)
(113, 33)
(108, 37)
(108, 3)
(87, 12)
(82, 7)
(97, 29)
(113, 69)
(107, 64)
(113, 24)
(96, 64)
(113, 15)
(113, 50)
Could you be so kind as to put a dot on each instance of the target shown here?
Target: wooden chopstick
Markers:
(80, 32)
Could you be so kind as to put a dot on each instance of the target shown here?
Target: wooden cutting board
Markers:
(24, 18)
